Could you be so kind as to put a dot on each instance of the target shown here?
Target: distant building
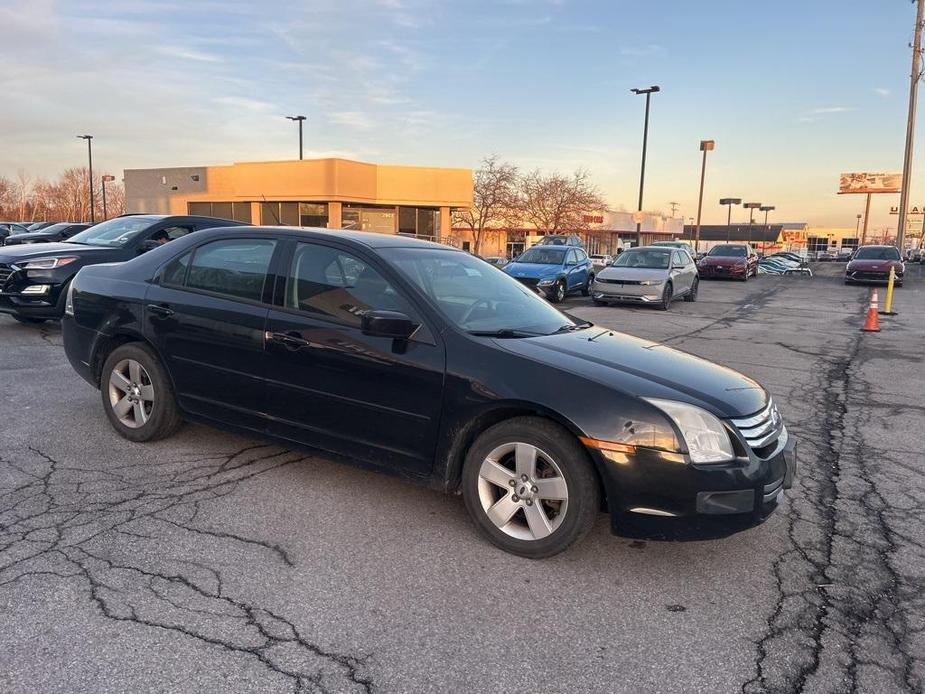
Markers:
(332, 193)
(601, 232)
(763, 237)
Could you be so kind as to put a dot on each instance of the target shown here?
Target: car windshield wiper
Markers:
(574, 326)
(504, 332)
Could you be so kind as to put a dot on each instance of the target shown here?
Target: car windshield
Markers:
(544, 255)
(728, 251)
(116, 232)
(650, 259)
(475, 296)
(870, 253)
(60, 226)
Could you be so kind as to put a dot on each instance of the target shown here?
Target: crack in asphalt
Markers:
(73, 522)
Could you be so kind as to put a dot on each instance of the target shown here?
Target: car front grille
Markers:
(626, 282)
(528, 281)
(761, 430)
(869, 275)
(5, 272)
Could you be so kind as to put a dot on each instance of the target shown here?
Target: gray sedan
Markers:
(647, 275)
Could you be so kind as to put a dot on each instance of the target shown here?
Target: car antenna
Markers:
(275, 216)
(602, 332)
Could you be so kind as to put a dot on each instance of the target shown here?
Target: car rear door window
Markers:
(332, 283)
(232, 267)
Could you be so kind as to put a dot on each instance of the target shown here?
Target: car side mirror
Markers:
(148, 245)
(388, 324)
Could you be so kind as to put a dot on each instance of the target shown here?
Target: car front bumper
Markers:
(717, 271)
(667, 490)
(627, 293)
(871, 276)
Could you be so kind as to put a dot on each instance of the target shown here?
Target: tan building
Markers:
(333, 193)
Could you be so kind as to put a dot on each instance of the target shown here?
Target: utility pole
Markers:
(89, 139)
(674, 208)
(705, 146)
(915, 77)
(299, 120)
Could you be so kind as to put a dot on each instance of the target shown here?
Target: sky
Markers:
(792, 91)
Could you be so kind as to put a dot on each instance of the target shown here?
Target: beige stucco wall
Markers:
(340, 180)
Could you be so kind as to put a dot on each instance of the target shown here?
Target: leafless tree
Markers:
(66, 198)
(493, 194)
(557, 203)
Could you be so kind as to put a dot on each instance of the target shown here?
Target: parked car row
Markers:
(12, 233)
(414, 358)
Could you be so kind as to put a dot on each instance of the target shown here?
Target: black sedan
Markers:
(61, 231)
(425, 361)
(34, 279)
(8, 229)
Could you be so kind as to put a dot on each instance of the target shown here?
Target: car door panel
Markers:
(332, 386)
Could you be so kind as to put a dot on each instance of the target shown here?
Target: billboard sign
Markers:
(914, 210)
(867, 182)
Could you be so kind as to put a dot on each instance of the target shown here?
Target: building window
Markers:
(467, 246)
(239, 211)
(417, 221)
(313, 214)
(369, 218)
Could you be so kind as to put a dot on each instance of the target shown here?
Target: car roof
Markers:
(364, 238)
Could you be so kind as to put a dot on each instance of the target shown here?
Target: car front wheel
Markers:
(557, 293)
(667, 294)
(529, 487)
(137, 394)
(692, 294)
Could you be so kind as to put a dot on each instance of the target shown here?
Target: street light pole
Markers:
(857, 227)
(89, 139)
(299, 120)
(104, 179)
(729, 202)
(751, 207)
(767, 229)
(705, 146)
(645, 139)
(910, 124)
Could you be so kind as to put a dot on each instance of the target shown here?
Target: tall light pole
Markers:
(751, 207)
(729, 202)
(106, 179)
(89, 139)
(299, 120)
(766, 209)
(645, 139)
(857, 227)
(705, 146)
(915, 77)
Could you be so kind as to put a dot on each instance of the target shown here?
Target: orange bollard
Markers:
(872, 324)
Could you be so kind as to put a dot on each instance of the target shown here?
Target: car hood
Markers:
(531, 270)
(636, 274)
(13, 254)
(722, 260)
(644, 369)
(874, 264)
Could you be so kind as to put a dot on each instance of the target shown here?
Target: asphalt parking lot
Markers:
(215, 563)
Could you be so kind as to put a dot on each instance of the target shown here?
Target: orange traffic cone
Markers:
(872, 324)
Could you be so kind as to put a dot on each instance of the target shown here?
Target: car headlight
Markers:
(546, 282)
(46, 263)
(650, 283)
(706, 437)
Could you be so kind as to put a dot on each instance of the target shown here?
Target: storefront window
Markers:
(380, 220)
(240, 211)
(313, 214)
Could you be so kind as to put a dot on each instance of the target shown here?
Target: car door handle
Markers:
(290, 340)
(161, 310)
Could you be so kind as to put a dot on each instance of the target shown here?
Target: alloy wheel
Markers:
(522, 491)
(131, 393)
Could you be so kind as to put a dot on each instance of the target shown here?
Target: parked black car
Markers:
(34, 279)
(61, 231)
(424, 360)
(38, 226)
(8, 229)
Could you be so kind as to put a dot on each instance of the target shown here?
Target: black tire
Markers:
(586, 290)
(667, 293)
(557, 294)
(164, 416)
(26, 320)
(692, 294)
(598, 302)
(584, 494)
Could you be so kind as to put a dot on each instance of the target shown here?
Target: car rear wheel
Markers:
(586, 290)
(137, 394)
(692, 294)
(667, 294)
(529, 487)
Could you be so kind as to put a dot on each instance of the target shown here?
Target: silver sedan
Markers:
(647, 275)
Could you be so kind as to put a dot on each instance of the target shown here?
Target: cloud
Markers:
(245, 103)
(831, 109)
(638, 51)
(190, 54)
(882, 91)
(352, 119)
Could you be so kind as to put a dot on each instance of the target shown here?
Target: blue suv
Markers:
(555, 270)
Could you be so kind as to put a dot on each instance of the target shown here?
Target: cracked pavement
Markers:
(211, 562)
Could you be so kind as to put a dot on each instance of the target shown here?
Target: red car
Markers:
(734, 260)
(873, 263)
